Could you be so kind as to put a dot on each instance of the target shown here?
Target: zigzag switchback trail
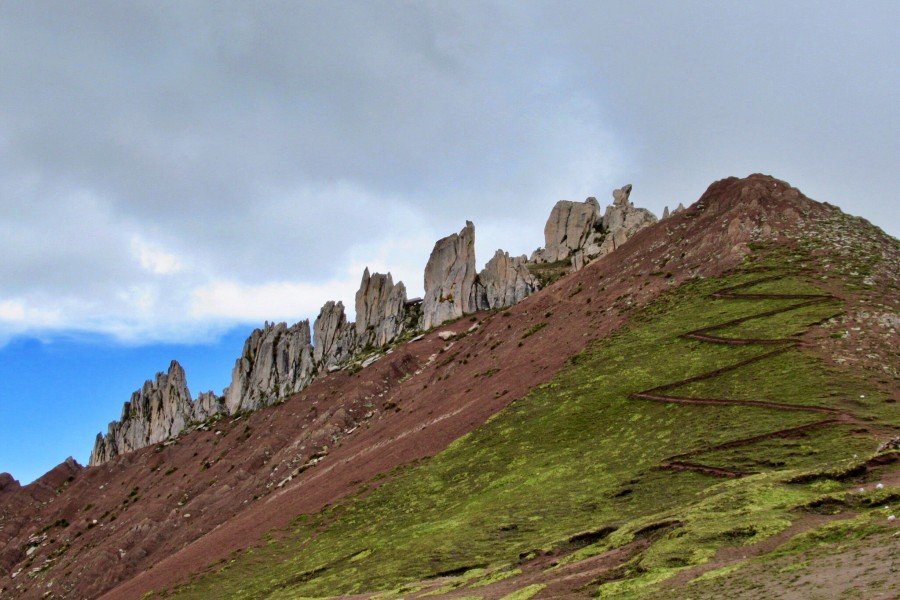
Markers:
(784, 344)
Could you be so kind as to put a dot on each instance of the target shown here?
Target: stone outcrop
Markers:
(277, 361)
(206, 405)
(578, 233)
(335, 338)
(667, 213)
(505, 281)
(450, 279)
(380, 310)
(571, 226)
(156, 412)
(622, 220)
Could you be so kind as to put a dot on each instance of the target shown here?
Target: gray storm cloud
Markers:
(172, 168)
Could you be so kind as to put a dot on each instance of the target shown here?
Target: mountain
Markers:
(707, 409)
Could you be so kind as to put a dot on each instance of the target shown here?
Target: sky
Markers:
(172, 174)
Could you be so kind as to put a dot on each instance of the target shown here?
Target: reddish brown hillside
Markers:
(149, 519)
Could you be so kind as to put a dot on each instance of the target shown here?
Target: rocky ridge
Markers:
(280, 360)
(578, 233)
(380, 310)
(161, 409)
(504, 281)
(277, 360)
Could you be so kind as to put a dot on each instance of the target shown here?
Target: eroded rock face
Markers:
(158, 411)
(380, 310)
(571, 226)
(505, 281)
(207, 405)
(578, 233)
(277, 360)
(622, 220)
(335, 337)
(450, 279)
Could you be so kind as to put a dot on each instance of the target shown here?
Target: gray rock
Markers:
(505, 281)
(578, 233)
(335, 337)
(380, 310)
(206, 405)
(622, 220)
(160, 410)
(277, 361)
(370, 360)
(571, 226)
(450, 279)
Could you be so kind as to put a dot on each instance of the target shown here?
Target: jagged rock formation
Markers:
(505, 281)
(666, 213)
(450, 279)
(277, 360)
(380, 310)
(622, 220)
(335, 338)
(207, 405)
(578, 233)
(156, 412)
(571, 226)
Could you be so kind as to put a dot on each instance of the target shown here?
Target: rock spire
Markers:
(277, 361)
(161, 409)
(380, 310)
(334, 337)
(450, 278)
(505, 281)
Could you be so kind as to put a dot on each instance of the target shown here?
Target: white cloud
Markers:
(232, 300)
(255, 172)
(17, 312)
(153, 259)
(12, 311)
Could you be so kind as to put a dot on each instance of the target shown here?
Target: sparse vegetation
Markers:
(533, 330)
(578, 454)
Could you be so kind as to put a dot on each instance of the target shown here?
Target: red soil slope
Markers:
(149, 519)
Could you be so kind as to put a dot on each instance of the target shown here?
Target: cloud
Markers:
(168, 170)
(155, 260)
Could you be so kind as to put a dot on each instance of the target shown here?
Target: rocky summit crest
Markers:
(279, 360)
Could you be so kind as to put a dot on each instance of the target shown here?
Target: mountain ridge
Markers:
(253, 473)
(278, 360)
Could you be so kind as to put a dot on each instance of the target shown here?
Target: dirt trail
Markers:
(658, 393)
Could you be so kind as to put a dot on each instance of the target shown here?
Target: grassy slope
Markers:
(577, 454)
